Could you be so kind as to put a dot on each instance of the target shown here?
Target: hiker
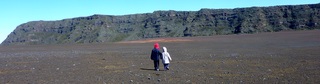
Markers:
(165, 58)
(156, 55)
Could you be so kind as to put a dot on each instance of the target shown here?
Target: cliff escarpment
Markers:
(205, 22)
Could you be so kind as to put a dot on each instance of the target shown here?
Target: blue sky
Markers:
(15, 12)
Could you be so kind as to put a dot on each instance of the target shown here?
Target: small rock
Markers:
(74, 64)
(159, 80)
(222, 62)
(234, 54)
(188, 81)
(58, 68)
(131, 81)
(149, 78)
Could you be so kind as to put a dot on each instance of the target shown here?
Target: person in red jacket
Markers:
(156, 55)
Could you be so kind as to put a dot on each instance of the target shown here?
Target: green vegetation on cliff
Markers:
(205, 22)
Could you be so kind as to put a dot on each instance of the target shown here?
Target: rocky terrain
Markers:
(205, 22)
(275, 57)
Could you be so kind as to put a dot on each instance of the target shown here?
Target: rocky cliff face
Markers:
(205, 22)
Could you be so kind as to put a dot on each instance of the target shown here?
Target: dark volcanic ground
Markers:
(281, 57)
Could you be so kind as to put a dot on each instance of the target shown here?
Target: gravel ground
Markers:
(278, 57)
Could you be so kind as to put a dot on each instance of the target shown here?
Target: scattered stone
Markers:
(222, 62)
(234, 54)
(306, 76)
(188, 81)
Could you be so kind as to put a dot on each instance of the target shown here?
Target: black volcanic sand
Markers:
(281, 57)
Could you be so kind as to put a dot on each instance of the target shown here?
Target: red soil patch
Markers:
(157, 40)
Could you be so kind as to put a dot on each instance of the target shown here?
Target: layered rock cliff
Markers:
(205, 22)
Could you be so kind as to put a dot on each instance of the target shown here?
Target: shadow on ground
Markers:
(147, 69)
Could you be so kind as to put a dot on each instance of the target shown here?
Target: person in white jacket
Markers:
(165, 58)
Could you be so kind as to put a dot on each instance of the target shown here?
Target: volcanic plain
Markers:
(274, 57)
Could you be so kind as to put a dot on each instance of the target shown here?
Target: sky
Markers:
(16, 12)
